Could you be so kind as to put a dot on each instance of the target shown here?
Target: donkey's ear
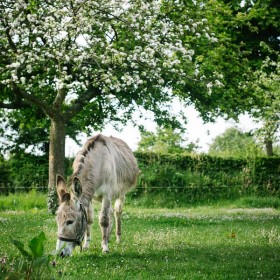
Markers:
(77, 187)
(61, 187)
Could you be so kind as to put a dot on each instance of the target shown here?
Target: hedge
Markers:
(194, 176)
(202, 176)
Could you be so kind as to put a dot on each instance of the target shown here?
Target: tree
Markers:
(234, 143)
(85, 63)
(255, 29)
(246, 32)
(259, 25)
(267, 88)
(165, 140)
(259, 36)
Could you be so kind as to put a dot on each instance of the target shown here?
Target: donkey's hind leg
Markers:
(118, 217)
(104, 222)
(111, 219)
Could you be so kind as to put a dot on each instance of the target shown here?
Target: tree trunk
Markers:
(269, 148)
(56, 159)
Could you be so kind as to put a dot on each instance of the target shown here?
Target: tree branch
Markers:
(14, 105)
(15, 101)
(32, 99)
(11, 43)
(82, 101)
(60, 96)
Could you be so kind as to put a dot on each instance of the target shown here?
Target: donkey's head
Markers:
(71, 216)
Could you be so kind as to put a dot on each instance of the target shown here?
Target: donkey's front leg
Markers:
(89, 211)
(104, 222)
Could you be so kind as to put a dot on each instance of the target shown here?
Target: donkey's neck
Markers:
(86, 195)
(85, 199)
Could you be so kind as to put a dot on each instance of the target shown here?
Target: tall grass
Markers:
(37, 200)
(23, 201)
(170, 200)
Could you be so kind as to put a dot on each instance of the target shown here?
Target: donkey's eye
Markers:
(69, 222)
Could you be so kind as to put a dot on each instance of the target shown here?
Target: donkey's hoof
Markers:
(86, 245)
(106, 251)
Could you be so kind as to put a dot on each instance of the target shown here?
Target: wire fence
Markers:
(180, 174)
(7, 187)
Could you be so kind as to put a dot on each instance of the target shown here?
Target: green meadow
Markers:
(227, 240)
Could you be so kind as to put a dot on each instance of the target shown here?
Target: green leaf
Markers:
(20, 247)
(36, 245)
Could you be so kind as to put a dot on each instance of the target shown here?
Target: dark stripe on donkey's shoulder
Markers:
(91, 142)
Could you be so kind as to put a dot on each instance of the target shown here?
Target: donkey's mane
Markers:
(88, 146)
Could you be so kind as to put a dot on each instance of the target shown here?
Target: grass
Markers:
(23, 201)
(227, 240)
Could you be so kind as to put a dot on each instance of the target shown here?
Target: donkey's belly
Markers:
(113, 191)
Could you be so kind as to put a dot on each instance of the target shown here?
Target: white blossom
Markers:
(14, 77)
(15, 65)
(209, 88)
(62, 48)
(218, 83)
(59, 84)
(23, 80)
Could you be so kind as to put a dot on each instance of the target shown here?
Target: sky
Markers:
(195, 128)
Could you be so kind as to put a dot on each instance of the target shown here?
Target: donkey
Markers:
(104, 170)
